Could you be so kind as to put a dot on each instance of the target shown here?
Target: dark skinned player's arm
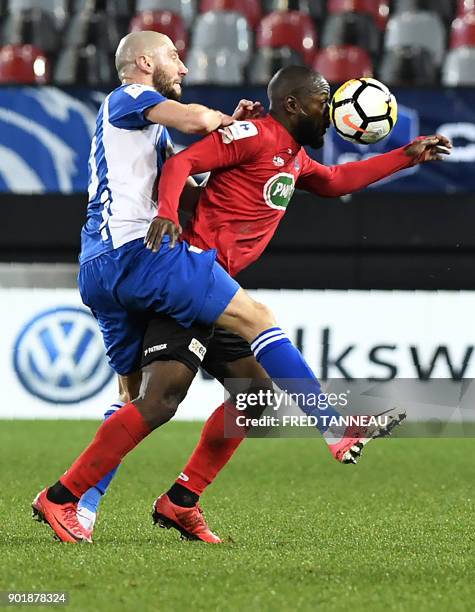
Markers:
(207, 154)
(339, 180)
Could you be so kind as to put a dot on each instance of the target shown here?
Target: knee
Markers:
(160, 408)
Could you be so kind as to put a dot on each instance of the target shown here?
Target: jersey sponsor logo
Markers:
(136, 89)
(59, 356)
(237, 131)
(197, 348)
(278, 190)
(154, 349)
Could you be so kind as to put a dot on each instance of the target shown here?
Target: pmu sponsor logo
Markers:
(278, 190)
(59, 356)
(389, 359)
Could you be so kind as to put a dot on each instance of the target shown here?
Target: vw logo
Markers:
(59, 356)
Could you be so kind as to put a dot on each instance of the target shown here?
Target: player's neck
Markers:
(284, 120)
(137, 79)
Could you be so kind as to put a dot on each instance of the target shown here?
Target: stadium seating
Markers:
(408, 66)
(221, 68)
(465, 6)
(444, 8)
(458, 68)
(58, 7)
(267, 61)
(288, 29)
(97, 29)
(378, 9)
(23, 64)
(354, 29)
(463, 31)
(214, 31)
(165, 22)
(186, 8)
(33, 27)
(338, 64)
(419, 30)
(251, 9)
(86, 66)
(316, 8)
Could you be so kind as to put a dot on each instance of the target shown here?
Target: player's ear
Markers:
(144, 63)
(291, 105)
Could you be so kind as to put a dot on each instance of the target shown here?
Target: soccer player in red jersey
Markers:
(258, 163)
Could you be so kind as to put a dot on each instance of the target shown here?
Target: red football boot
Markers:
(190, 522)
(349, 447)
(62, 519)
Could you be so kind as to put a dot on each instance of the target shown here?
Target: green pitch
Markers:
(395, 532)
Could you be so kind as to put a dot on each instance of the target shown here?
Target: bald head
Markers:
(135, 45)
(294, 80)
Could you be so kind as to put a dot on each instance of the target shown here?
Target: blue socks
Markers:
(281, 360)
(92, 498)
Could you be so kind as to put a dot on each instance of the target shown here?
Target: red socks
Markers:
(117, 436)
(211, 454)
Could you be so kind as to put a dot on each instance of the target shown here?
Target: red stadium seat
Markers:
(23, 64)
(251, 9)
(165, 22)
(341, 63)
(463, 31)
(288, 29)
(465, 6)
(378, 9)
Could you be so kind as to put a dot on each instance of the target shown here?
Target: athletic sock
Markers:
(282, 361)
(211, 454)
(116, 437)
(92, 497)
(181, 496)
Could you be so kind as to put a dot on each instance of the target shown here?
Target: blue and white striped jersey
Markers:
(127, 155)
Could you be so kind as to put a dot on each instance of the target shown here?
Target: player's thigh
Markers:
(171, 356)
(129, 386)
(122, 334)
(246, 317)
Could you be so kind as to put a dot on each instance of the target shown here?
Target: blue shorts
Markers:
(125, 287)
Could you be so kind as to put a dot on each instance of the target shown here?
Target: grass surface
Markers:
(395, 532)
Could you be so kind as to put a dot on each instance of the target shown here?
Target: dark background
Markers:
(371, 241)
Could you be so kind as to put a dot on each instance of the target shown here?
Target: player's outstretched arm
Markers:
(332, 181)
(188, 118)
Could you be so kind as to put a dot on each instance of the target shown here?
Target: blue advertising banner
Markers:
(45, 133)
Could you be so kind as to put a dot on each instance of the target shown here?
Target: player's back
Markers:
(127, 154)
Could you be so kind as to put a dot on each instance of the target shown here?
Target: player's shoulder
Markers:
(239, 130)
(129, 93)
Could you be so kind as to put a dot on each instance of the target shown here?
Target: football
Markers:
(363, 111)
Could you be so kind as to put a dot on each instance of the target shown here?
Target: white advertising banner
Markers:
(52, 362)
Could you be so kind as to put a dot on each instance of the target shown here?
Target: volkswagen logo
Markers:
(59, 356)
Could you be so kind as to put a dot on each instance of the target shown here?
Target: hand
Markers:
(248, 110)
(428, 148)
(226, 120)
(157, 230)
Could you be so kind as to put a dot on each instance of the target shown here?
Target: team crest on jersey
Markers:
(237, 131)
(136, 89)
(278, 190)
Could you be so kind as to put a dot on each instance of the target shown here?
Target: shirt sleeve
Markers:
(332, 181)
(223, 149)
(127, 106)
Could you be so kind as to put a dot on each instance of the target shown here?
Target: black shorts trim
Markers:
(196, 346)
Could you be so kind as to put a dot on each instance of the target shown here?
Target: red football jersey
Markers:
(256, 166)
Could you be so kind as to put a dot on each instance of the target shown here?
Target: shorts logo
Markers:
(154, 349)
(197, 348)
(278, 190)
(59, 356)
